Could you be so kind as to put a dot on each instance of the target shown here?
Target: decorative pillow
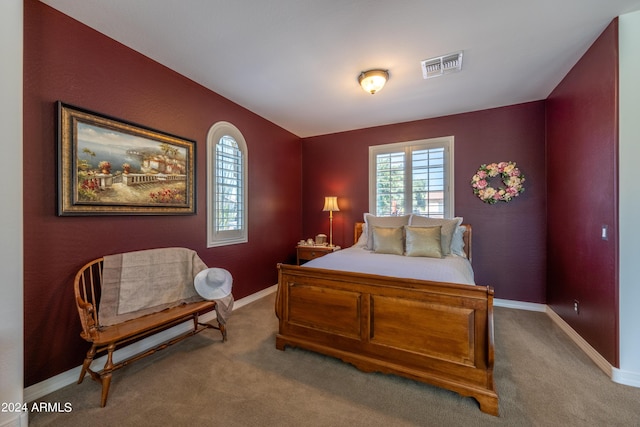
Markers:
(388, 240)
(457, 244)
(447, 231)
(372, 221)
(423, 241)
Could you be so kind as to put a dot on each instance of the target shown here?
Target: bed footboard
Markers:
(437, 333)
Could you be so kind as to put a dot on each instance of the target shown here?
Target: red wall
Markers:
(65, 60)
(509, 239)
(582, 144)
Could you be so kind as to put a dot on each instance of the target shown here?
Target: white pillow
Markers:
(382, 221)
(448, 228)
(457, 243)
(362, 240)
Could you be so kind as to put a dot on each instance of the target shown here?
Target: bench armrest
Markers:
(87, 312)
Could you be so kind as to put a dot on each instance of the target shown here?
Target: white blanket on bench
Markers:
(143, 282)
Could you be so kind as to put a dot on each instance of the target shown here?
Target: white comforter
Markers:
(452, 268)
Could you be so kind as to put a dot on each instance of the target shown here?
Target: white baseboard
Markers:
(617, 375)
(626, 377)
(519, 305)
(59, 381)
(255, 297)
(591, 352)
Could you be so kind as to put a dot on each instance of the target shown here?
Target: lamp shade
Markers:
(331, 204)
(373, 81)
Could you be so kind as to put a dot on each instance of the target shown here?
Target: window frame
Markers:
(446, 142)
(226, 237)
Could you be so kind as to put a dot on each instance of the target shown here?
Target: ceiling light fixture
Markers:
(373, 81)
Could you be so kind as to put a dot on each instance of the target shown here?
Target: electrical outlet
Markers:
(576, 306)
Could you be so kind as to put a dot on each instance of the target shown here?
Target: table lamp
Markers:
(331, 205)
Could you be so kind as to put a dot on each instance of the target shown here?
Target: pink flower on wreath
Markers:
(511, 191)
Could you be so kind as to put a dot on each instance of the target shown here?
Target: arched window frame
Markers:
(225, 237)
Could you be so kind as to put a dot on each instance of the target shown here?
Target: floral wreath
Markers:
(511, 177)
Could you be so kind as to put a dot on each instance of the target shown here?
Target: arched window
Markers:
(226, 186)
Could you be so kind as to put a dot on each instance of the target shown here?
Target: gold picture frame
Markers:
(107, 166)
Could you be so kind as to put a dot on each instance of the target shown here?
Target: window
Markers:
(226, 186)
(412, 177)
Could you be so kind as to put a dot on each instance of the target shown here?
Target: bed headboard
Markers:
(466, 237)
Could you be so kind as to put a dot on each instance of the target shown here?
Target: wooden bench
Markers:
(87, 287)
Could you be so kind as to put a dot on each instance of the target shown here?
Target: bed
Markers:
(381, 319)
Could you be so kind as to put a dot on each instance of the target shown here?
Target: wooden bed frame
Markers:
(434, 332)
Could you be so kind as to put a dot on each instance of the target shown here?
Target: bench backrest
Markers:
(87, 287)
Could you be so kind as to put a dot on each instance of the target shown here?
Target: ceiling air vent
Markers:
(440, 65)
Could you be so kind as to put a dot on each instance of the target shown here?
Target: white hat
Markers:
(213, 283)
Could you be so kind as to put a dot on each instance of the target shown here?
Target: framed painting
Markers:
(108, 166)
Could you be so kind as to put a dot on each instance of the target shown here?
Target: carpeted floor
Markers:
(543, 379)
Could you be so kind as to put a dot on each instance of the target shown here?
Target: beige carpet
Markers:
(543, 379)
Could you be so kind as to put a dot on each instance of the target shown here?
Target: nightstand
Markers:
(307, 253)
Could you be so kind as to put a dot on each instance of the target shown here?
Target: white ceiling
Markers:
(296, 62)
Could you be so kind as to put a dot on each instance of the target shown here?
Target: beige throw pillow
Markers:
(448, 228)
(388, 240)
(382, 221)
(423, 241)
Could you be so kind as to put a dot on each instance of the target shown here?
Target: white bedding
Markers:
(452, 268)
